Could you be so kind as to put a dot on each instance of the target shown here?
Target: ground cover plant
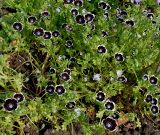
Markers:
(79, 67)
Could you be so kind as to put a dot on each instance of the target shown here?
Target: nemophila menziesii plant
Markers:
(91, 65)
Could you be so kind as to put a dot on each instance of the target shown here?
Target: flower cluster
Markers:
(11, 104)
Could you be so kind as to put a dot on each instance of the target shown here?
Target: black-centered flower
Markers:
(153, 80)
(68, 1)
(148, 98)
(108, 7)
(110, 123)
(70, 105)
(47, 35)
(10, 104)
(100, 96)
(104, 33)
(145, 77)
(101, 49)
(74, 12)
(89, 36)
(122, 78)
(123, 13)
(86, 71)
(65, 76)
(68, 71)
(154, 101)
(154, 109)
(119, 57)
(55, 33)
(52, 70)
(72, 59)
(32, 19)
(19, 97)
(78, 3)
(120, 19)
(38, 32)
(150, 15)
(45, 13)
(80, 19)
(102, 5)
(17, 26)
(129, 22)
(69, 43)
(60, 89)
(89, 17)
(49, 89)
(109, 105)
(106, 15)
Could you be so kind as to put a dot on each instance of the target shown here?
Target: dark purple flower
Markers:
(110, 123)
(100, 96)
(49, 89)
(47, 35)
(60, 89)
(19, 97)
(10, 104)
(32, 19)
(17, 26)
(38, 32)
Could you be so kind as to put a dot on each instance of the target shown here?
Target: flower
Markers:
(19, 97)
(45, 13)
(68, 1)
(70, 105)
(119, 73)
(104, 33)
(38, 32)
(145, 77)
(154, 109)
(148, 98)
(32, 19)
(74, 12)
(100, 96)
(154, 101)
(78, 3)
(52, 70)
(89, 17)
(109, 105)
(102, 5)
(17, 26)
(129, 23)
(68, 71)
(101, 49)
(110, 123)
(55, 33)
(47, 35)
(153, 80)
(86, 71)
(65, 76)
(49, 89)
(77, 111)
(69, 43)
(96, 77)
(121, 78)
(80, 19)
(10, 104)
(119, 57)
(108, 7)
(60, 89)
